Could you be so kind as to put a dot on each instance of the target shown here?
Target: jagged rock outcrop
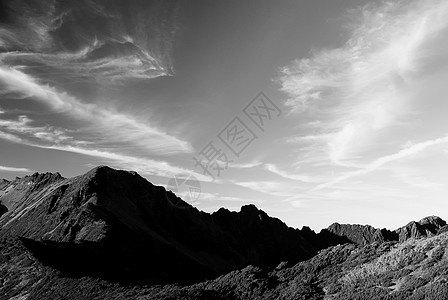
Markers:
(3, 183)
(358, 234)
(443, 229)
(19, 195)
(426, 227)
(366, 234)
(112, 221)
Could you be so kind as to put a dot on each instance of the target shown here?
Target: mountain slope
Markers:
(116, 222)
(111, 234)
(415, 269)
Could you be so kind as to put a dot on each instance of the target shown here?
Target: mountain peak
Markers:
(432, 220)
(101, 171)
(366, 234)
(38, 178)
(107, 172)
(356, 233)
(250, 209)
(101, 168)
(110, 215)
(121, 213)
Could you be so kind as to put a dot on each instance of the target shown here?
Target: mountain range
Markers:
(111, 234)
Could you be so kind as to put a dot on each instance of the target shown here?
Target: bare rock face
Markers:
(360, 234)
(18, 195)
(3, 183)
(426, 227)
(366, 234)
(357, 234)
(116, 222)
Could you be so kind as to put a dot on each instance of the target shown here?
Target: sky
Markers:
(314, 111)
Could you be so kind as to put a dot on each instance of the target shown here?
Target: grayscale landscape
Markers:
(206, 149)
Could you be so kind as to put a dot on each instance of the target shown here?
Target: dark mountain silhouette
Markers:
(112, 234)
(116, 223)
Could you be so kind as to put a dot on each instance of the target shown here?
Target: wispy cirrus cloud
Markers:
(413, 177)
(273, 188)
(48, 140)
(248, 165)
(292, 176)
(102, 123)
(48, 44)
(378, 163)
(23, 126)
(360, 90)
(142, 165)
(14, 169)
(24, 131)
(107, 44)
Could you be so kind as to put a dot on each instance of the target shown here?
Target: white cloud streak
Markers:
(378, 163)
(249, 165)
(273, 169)
(273, 188)
(142, 165)
(109, 125)
(360, 90)
(44, 133)
(120, 45)
(14, 169)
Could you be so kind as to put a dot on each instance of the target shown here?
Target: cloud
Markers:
(105, 124)
(13, 169)
(11, 138)
(142, 165)
(107, 44)
(272, 168)
(414, 178)
(94, 45)
(359, 90)
(308, 138)
(139, 164)
(378, 163)
(23, 131)
(42, 133)
(273, 188)
(249, 165)
(76, 67)
(218, 198)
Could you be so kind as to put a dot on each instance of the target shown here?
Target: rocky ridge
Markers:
(108, 215)
(366, 234)
(112, 234)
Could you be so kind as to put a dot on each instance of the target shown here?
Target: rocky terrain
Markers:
(366, 234)
(111, 234)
